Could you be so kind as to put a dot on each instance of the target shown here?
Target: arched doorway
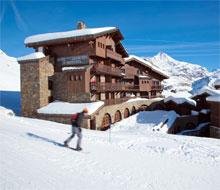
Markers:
(133, 110)
(143, 107)
(117, 116)
(126, 113)
(106, 122)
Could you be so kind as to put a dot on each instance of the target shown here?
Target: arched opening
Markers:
(126, 113)
(117, 116)
(133, 110)
(143, 107)
(106, 122)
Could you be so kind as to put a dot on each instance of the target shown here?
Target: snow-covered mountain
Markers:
(182, 74)
(9, 73)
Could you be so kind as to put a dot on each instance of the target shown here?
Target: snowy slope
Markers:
(31, 158)
(9, 82)
(182, 74)
(9, 73)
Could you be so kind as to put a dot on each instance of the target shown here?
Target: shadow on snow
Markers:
(45, 139)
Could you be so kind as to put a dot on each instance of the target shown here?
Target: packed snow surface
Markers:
(58, 107)
(32, 56)
(32, 158)
(180, 100)
(9, 73)
(67, 34)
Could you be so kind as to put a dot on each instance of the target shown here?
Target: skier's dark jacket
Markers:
(79, 120)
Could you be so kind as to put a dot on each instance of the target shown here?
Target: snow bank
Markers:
(205, 111)
(146, 121)
(6, 112)
(180, 100)
(58, 107)
(32, 56)
(67, 34)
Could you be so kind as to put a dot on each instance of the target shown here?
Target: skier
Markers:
(77, 122)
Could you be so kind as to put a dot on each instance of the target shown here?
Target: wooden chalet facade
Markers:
(81, 66)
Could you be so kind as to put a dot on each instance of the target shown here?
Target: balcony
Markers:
(104, 86)
(114, 55)
(131, 87)
(156, 87)
(108, 70)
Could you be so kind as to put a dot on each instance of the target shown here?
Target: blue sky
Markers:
(186, 30)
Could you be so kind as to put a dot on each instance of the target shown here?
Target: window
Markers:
(71, 77)
(80, 77)
(50, 85)
(76, 77)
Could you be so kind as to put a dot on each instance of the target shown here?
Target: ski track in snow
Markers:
(125, 161)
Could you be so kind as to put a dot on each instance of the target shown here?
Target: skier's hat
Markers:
(85, 110)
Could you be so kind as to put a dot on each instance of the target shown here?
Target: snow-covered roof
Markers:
(207, 90)
(180, 100)
(32, 56)
(68, 34)
(72, 68)
(217, 82)
(214, 98)
(58, 107)
(143, 77)
(136, 99)
(146, 63)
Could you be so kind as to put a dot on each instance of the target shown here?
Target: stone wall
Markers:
(111, 110)
(98, 116)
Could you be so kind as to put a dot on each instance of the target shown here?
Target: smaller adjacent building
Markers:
(142, 78)
(214, 102)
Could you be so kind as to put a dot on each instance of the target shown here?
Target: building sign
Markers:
(73, 60)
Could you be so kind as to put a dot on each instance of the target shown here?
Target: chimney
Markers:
(81, 25)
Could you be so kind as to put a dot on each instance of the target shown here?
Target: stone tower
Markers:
(35, 71)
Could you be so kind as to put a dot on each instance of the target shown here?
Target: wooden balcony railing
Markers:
(114, 55)
(131, 87)
(156, 87)
(99, 68)
(106, 86)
